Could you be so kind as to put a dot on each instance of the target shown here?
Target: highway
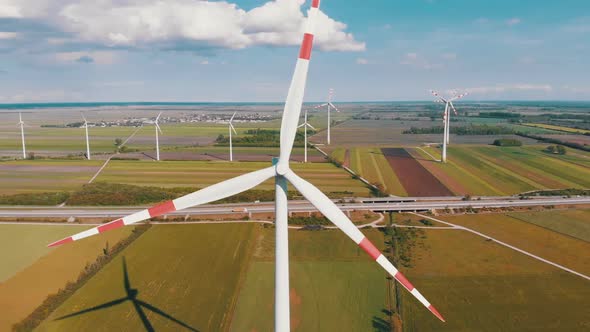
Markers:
(373, 204)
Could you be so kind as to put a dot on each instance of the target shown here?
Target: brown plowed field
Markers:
(416, 179)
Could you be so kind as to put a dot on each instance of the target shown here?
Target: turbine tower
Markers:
(22, 134)
(231, 128)
(87, 140)
(330, 106)
(282, 173)
(158, 131)
(305, 125)
(447, 118)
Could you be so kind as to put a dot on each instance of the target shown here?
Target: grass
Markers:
(200, 174)
(574, 223)
(563, 250)
(334, 285)
(189, 272)
(39, 176)
(36, 271)
(481, 286)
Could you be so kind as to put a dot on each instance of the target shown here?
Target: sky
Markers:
(245, 50)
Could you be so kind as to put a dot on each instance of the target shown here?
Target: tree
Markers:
(561, 150)
(118, 142)
(551, 149)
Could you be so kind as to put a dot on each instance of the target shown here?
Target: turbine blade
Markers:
(232, 117)
(296, 92)
(338, 218)
(232, 128)
(301, 125)
(434, 93)
(310, 126)
(159, 129)
(158, 118)
(459, 96)
(334, 107)
(453, 108)
(210, 194)
(322, 105)
(146, 322)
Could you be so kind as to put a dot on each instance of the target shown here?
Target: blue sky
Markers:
(245, 50)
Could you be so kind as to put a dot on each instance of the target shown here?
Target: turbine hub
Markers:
(282, 168)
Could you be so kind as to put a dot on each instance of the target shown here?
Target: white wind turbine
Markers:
(282, 173)
(22, 134)
(305, 125)
(330, 106)
(447, 118)
(87, 139)
(158, 131)
(231, 128)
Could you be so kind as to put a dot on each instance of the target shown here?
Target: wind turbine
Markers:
(87, 140)
(305, 125)
(231, 128)
(22, 134)
(330, 106)
(447, 118)
(282, 173)
(158, 131)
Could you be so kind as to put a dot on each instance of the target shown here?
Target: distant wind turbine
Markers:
(87, 140)
(22, 134)
(158, 131)
(305, 125)
(330, 106)
(231, 128)
(447, 118)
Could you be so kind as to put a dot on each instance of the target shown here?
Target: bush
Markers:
(507, 142)
(35, 199)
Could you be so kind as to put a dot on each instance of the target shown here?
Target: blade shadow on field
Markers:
(138, 305)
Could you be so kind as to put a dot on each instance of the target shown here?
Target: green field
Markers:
(51, 270)
(326, 176)
(480, 286)
(190, 273)
(334, 285)
(574, 223)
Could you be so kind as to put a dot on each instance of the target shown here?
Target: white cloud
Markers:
(8, 10)
(8, 35)
(134, 23)
(204, 62)
(42, 96)
(362, 61)
(98, 57)
(513, 21)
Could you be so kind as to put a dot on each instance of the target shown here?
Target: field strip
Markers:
(485, 159)
(100, 170)
(378, 171)
(508, 246)
(431, 156)
(477, 179)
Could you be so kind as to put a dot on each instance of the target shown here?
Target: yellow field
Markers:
(558, 128)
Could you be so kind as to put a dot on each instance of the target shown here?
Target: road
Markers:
(377, 205)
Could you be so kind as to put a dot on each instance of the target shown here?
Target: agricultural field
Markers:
(488, 170)
(574, 223)
(478, 285)
(371, 164)
(321, 263)
(387, 132)
(37, 176)
(199, 174)
(558, 128)
(216, 153)
(35, 272)
(190, 274)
